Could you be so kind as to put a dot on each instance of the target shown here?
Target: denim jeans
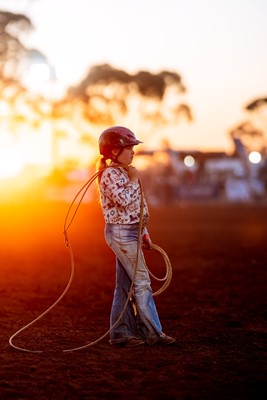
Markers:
(145, 323)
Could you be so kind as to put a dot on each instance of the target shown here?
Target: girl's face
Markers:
(126, 156)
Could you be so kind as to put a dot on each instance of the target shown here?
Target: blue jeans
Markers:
(140, 320)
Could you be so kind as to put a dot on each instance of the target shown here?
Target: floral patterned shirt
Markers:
(121, 198)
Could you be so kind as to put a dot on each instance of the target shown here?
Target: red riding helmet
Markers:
(116, 136)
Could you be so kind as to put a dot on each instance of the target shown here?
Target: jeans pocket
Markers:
(108, 236)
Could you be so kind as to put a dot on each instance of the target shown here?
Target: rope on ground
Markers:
(45, 312)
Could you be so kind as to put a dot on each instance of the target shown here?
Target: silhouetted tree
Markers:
(11, 47)
(251, 137)
(106, 96)
(256, 104)
(24, 106)
(109, 94)
(258, 113)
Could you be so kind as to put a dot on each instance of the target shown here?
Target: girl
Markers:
(121, 202)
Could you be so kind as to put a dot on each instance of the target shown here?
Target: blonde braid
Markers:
(102, 163)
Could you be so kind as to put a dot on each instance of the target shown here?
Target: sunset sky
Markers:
(218, 46)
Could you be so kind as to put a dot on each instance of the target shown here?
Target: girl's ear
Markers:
(115, 152)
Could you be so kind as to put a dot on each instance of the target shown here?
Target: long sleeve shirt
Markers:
(121, 198)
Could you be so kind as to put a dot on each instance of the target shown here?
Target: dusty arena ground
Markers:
(215, 305)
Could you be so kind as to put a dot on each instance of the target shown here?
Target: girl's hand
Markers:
(133, 174)
(146, 241)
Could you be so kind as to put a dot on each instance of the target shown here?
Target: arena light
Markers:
(254, 157)
(189, 161)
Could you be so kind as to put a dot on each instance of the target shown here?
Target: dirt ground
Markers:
(215, 305)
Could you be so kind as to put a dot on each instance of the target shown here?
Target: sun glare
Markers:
(39, 72)
(11, 162)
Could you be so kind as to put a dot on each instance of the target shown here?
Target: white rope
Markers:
(167, 277)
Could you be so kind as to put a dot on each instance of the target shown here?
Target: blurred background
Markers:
(189, 78)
